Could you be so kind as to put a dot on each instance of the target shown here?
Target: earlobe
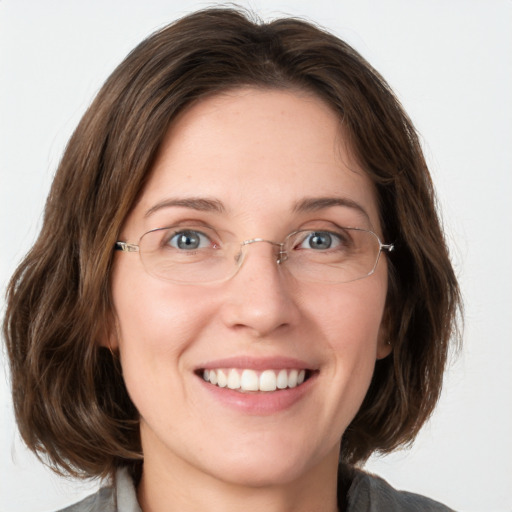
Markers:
(109, 337)
(384, 343)
(384, 348)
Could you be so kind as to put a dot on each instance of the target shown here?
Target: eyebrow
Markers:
(306, 205)
(314, 204)
(194, 203)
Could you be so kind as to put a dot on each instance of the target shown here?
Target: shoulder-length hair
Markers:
(70, 401)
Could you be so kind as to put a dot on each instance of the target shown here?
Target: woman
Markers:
(290, 309)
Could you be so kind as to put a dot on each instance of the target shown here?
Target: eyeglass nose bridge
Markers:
(282, 253)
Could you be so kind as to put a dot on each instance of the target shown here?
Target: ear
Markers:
(384, 343)
(109, 336)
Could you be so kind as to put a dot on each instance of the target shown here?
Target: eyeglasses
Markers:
(201, 254)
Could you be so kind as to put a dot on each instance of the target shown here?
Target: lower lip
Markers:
(259, 403)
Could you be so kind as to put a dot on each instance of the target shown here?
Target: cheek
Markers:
(155, 323)
(351, 316)
(347, 321)
(350, 320)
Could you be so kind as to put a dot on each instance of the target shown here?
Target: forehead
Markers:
(259, 153)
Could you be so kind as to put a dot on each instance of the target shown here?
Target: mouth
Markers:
(247, 380)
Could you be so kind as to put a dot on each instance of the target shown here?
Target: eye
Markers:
(189, 240)
(320, 241)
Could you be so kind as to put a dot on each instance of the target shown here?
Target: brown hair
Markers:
(69, 397)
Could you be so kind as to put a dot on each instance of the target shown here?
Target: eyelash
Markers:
(188, 233)
(193, 236)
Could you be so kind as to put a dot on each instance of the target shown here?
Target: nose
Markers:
(275, 244)
(261, 297)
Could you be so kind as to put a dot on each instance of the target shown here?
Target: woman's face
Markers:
(258, 164)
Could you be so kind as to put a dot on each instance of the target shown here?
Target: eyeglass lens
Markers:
(199, 254)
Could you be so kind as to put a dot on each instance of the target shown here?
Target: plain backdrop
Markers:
(450, 63)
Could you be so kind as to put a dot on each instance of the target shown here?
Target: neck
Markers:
(175, 486)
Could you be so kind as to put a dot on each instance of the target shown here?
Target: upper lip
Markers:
(258, 363)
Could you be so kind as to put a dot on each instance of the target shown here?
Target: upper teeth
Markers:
(250, 380)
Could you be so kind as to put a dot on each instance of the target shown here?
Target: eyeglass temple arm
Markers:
(387, 247)
(126, 247)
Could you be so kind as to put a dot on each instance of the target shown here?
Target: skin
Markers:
(258, 152)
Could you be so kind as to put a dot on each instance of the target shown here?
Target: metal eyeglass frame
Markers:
(282, 255)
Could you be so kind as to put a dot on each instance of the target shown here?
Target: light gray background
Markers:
(450, 63)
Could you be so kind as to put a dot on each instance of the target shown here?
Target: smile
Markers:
(248, 380)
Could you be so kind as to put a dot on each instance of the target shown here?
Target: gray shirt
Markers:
(366, 493)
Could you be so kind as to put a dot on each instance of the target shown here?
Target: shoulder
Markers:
(120, 497)
(369, 493)
(103, 500)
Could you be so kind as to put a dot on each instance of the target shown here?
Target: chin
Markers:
(260, 473)
(268, 466)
